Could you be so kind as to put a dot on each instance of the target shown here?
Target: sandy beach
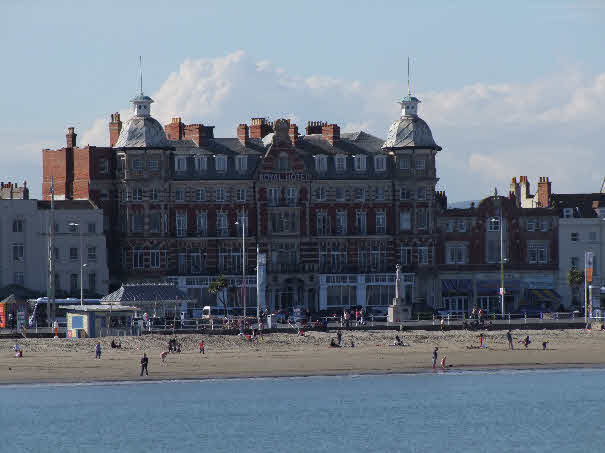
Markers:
(71, 360)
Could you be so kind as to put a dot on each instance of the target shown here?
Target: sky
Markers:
(508, 88)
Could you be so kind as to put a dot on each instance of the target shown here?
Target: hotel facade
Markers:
(333, 212)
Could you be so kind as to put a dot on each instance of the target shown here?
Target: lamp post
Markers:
(501, 227)
(79, 225)
(243, 225)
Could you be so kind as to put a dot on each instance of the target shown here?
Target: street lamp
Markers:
(73, 225)
(243, 225)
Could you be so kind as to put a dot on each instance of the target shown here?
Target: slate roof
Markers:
(584, 205)
(67, 204)
(142, 132)
(307, 146)
(146, 292)
(410, 131)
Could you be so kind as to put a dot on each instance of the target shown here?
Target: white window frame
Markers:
(241, 195)
(423, 255)
(321, 163)
(200, 194)
(493, 224)
(221, 194)
(153, 164)
(200, 163)
(380, 163)
(340, 163)
(180, 164)
(360, 162)
(241, 163)
(179, 194)
(381, 222)
(220, 163)
(404, 163)
(420, 164)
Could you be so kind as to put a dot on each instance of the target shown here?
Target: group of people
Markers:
(357, 315)
(337, 342)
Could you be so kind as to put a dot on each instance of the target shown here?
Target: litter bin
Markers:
(269, 321)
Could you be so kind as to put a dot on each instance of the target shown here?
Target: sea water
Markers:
(502, 411)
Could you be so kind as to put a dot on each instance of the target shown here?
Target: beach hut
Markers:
(158, 300)
(99, 320)
(13, 312)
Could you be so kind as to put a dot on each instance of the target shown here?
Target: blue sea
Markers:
(501, 411)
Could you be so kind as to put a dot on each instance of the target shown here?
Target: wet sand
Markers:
(73, 360)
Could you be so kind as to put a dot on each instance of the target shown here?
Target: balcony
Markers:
(222, 232)
(284, 268)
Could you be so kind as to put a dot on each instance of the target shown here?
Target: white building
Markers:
(24, 226)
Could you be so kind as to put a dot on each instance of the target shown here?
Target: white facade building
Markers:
(24, 226)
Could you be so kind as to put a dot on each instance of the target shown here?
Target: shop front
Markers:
(456, 296)
(488, 295)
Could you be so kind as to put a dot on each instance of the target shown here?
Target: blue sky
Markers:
(508, 88)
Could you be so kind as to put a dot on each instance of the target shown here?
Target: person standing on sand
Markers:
(339, 336)
(509, 337)
(144, 362)
(202, 350)
(443, 362)
(98, 351)
(435, 357)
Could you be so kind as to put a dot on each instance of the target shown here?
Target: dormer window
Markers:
(221, 163)
(181, 163)
(380, 163)
(340, 163)
(321, 163)
(200, 163)
(241, 163)
(360, 163)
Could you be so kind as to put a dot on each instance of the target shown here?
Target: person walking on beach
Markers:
(442, 323)
(509, 337)
(339, 336)
(202, 350)
(144, 362)
(98, 351)
(435, 357)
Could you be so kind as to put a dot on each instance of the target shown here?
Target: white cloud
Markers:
(490, 132)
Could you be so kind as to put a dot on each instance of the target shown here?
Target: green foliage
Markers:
(575, 277)
(216, 289)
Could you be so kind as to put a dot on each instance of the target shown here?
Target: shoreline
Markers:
(72, 361)
(411, 372)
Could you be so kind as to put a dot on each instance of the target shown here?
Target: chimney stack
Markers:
(115, 127)
(293, 133)
(331, 133)
(544, 188)
(174, 130)
(260, 127)
(71, 137)
(242, 134)
(314, 127)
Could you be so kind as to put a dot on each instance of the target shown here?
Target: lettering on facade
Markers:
(292, 176)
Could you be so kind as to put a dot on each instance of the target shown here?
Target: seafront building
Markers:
(24, 245)
(334, 212)
(472, 243)
(581, 219)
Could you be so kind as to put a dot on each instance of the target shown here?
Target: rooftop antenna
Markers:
(140, 75)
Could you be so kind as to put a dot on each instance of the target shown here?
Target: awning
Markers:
(545, 295)
(492, 287)
(454, 287)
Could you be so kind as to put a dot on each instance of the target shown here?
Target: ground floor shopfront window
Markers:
(380, 295)
(341, 296)
(456, 305)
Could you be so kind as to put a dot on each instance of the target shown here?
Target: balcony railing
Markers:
(284, 267)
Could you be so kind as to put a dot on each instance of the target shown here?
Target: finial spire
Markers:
(409, 89)
(140, 75)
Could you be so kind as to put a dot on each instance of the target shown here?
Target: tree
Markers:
(217, 288)
(575, 279)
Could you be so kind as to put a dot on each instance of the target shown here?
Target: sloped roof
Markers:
(410, 131)
(584, 205)
(145, 292)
